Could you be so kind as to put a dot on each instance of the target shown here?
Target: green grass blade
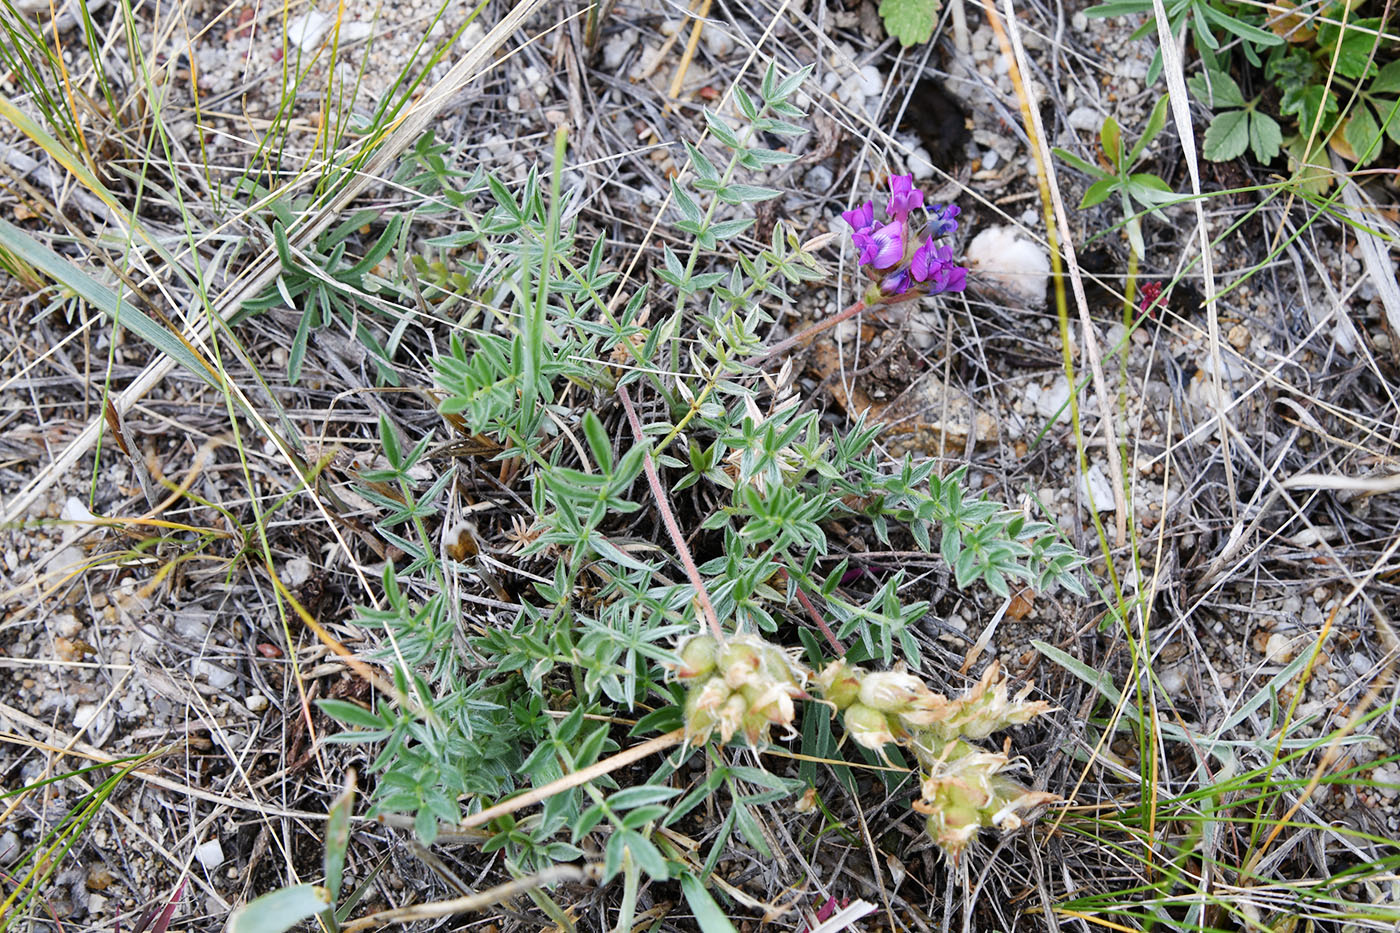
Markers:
(103, 297)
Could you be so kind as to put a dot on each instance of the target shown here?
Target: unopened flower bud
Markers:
(702, 706)
(839, 683)
(738, 662)
(697, 657)
(868, 727)
(895, 692)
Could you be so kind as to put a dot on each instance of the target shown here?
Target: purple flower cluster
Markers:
(897, 261)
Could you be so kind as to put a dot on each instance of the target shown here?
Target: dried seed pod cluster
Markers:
(964, 787)
(742, 685)
(746, 685)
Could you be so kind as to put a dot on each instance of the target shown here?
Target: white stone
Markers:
(920, 164)
(990, 158)
(872, 83)
(1131, 67)
(75, 511)
(1278, 649)
(471, 36)
(819, 179)
(1010, 261)
(1174, 681)
(296, 571)
(719, 42)
(217, 676)
(616, 48)
(67, 625)
(1079, 22)
(1232, 368)
(9, 847)
(209, 854)
(305, 31)
(1096, 482)
(355, 30)
(1050, 402)
(84, 715)
(65, 561)
(255, 702)
(1085, 118)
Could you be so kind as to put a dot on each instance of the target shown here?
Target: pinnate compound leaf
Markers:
(910, 21)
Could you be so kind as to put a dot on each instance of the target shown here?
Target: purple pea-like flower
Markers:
(882, 246)
(904, 197)
(861, 218)
(941, 220)
(933, 267)
(957, 279)
(897, 282)
(927, 258)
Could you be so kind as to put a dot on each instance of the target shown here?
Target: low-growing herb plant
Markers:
(1335, 78)
(715, 450)
(1137, 191)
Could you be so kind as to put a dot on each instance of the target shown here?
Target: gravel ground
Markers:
(129, 639)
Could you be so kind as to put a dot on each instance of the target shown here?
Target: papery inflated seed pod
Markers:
(987, 709)
(743, 685)
(965, 788)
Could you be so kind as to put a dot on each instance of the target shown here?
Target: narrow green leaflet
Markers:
(708, 915)
(280, 910)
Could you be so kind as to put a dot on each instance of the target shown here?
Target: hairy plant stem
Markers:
(673, 529)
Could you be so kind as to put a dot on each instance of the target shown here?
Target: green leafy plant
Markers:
(544, 368)
(1330, 71)
(327, 286)
(1238, 124)
(1133, 188)
(910, 21)
(1212, 25)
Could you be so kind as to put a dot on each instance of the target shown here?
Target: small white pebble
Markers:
(819, 178)
(255, 702)
(217, 676)
(355, 30)
(305, 31)
(1278, 649)
(210, 854)
(84, 715)
(1011, 261)
(471, 36)
(871, 81)
(296, 571)
(9, 847)
(1096, 482)
(1086, 119)
(719, 42)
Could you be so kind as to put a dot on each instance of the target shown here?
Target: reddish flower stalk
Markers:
(668, 519)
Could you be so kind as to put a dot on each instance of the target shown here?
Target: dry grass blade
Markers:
(473, 902)
(260, 273)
